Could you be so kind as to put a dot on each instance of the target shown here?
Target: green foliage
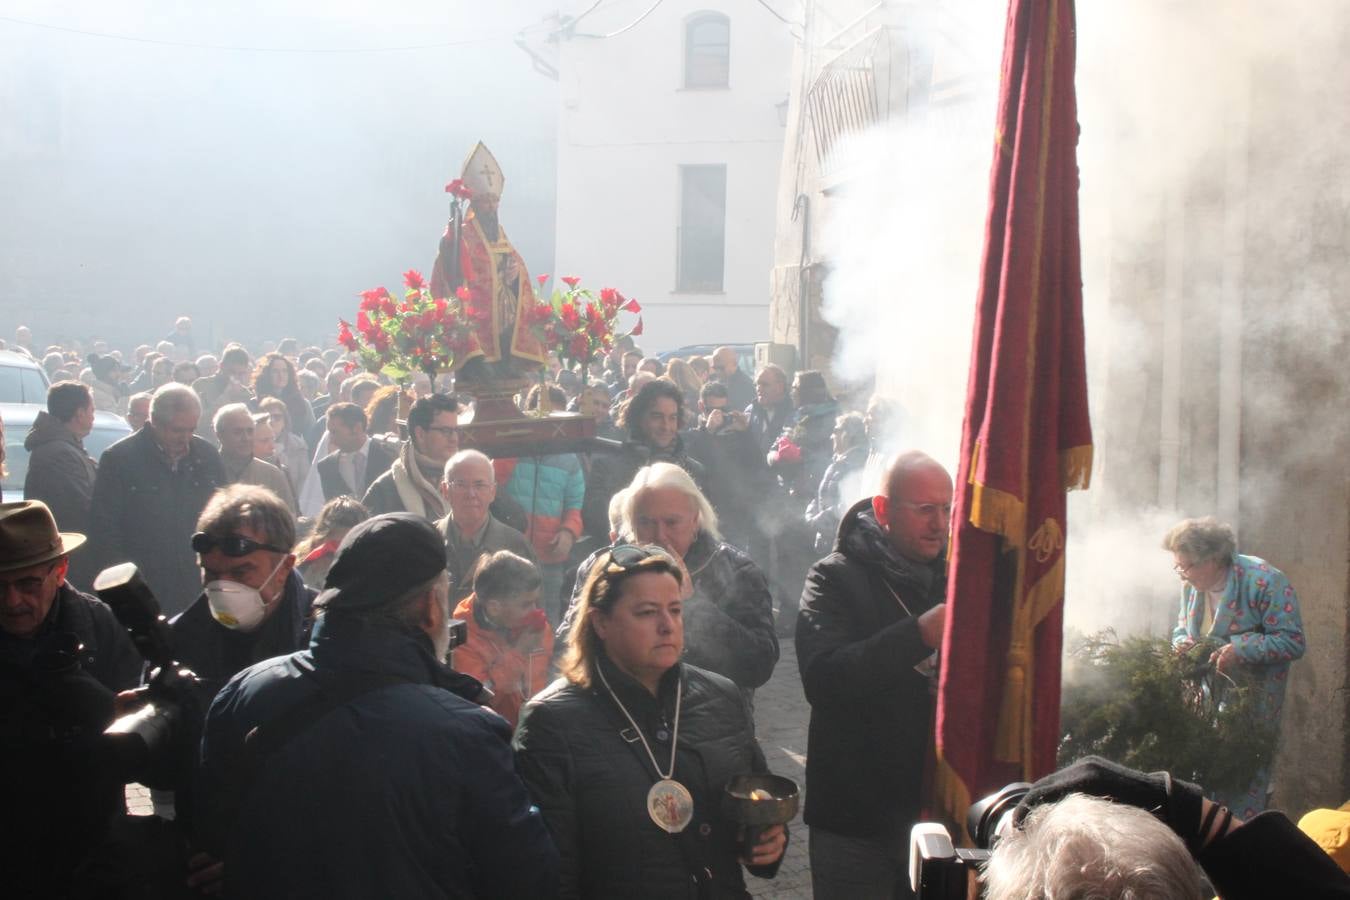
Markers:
(1141, 703)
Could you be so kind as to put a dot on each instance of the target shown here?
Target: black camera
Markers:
(938, 869)
(459, 633)
(151, 738)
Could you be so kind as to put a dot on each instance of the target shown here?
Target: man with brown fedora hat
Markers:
(36, 601)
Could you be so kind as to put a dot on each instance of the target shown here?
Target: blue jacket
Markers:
(406, 791)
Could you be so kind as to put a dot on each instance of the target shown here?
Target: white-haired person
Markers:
(1098, 829)
(728, 617)
(627, 755)
(1248, 609)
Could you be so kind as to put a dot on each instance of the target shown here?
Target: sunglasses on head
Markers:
(628, 556)
(230, 544)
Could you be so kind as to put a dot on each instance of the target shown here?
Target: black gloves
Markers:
(1176, 803)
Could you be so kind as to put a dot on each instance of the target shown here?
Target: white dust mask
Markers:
(238, 606)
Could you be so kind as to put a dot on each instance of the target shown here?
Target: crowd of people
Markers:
(424, 672)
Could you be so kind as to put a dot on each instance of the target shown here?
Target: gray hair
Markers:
(852, 429)
(1088, 847)
(618, 521)
(228, 410)
(171, 399)
(464, 456)
(1202, 539)
(248, 506)
(669, 475)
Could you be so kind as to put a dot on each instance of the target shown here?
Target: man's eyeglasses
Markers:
(448, 431)
(476, 487)
(1185, 570)
(231, 544)
(28, 587)
(929, 510)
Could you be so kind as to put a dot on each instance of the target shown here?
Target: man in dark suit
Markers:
(356, 461)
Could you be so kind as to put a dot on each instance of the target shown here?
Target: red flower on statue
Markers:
(459, 189)
(571, 280)
(609, 295)
(542, 279)
(413, 279)
(632, 306)
(345, 336)
(569, 315)
(463, 293)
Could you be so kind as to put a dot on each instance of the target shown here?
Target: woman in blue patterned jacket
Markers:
(1248, 607)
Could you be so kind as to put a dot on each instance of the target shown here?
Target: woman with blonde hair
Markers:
(628, 754)
(684, 376)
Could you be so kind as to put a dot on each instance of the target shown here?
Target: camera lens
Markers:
(987, 819)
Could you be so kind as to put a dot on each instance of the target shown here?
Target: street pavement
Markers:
(781, 714)
(780, 722)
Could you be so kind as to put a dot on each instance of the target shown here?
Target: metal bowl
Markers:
(743, 803)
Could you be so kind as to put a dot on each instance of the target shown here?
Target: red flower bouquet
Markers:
(577, 324)
(419, 332)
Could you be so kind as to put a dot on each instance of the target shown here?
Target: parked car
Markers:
(21, 380)
(18, 418)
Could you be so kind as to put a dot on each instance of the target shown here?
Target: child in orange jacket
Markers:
(509, 642)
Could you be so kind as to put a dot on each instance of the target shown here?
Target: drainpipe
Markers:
(802, 207)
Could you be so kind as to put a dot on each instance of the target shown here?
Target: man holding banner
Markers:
(872, 613)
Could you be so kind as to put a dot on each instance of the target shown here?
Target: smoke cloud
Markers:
(1198, 125)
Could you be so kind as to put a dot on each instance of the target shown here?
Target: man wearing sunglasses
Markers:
(253, 605)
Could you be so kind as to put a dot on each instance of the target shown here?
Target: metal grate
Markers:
(850, 94)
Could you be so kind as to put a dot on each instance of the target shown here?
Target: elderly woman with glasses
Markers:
(728, 617)
(628, 753)
(1248, 610)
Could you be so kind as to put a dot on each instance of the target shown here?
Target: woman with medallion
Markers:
(629, 752)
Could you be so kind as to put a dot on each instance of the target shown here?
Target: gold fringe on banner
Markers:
(1075, 468)
(951, 796)
(1012, 738)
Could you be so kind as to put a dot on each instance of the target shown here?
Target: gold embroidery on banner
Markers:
(1047, 541)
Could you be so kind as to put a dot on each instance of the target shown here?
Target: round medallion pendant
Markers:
(670, 805)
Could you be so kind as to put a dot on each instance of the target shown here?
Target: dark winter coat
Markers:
(810, 432)
(740, 389)
(822, 513)
(612, 472)
(591, 782)
(871, 712)
(59, 794)
(738, 480)
(767, 423)
(60, 472)
(407, 790)
(106, 652)
(145, 512)
(728, 622)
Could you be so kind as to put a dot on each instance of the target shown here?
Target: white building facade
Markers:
(669, 145)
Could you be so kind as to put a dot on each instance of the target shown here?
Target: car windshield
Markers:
(16, 457)
(22, 384)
